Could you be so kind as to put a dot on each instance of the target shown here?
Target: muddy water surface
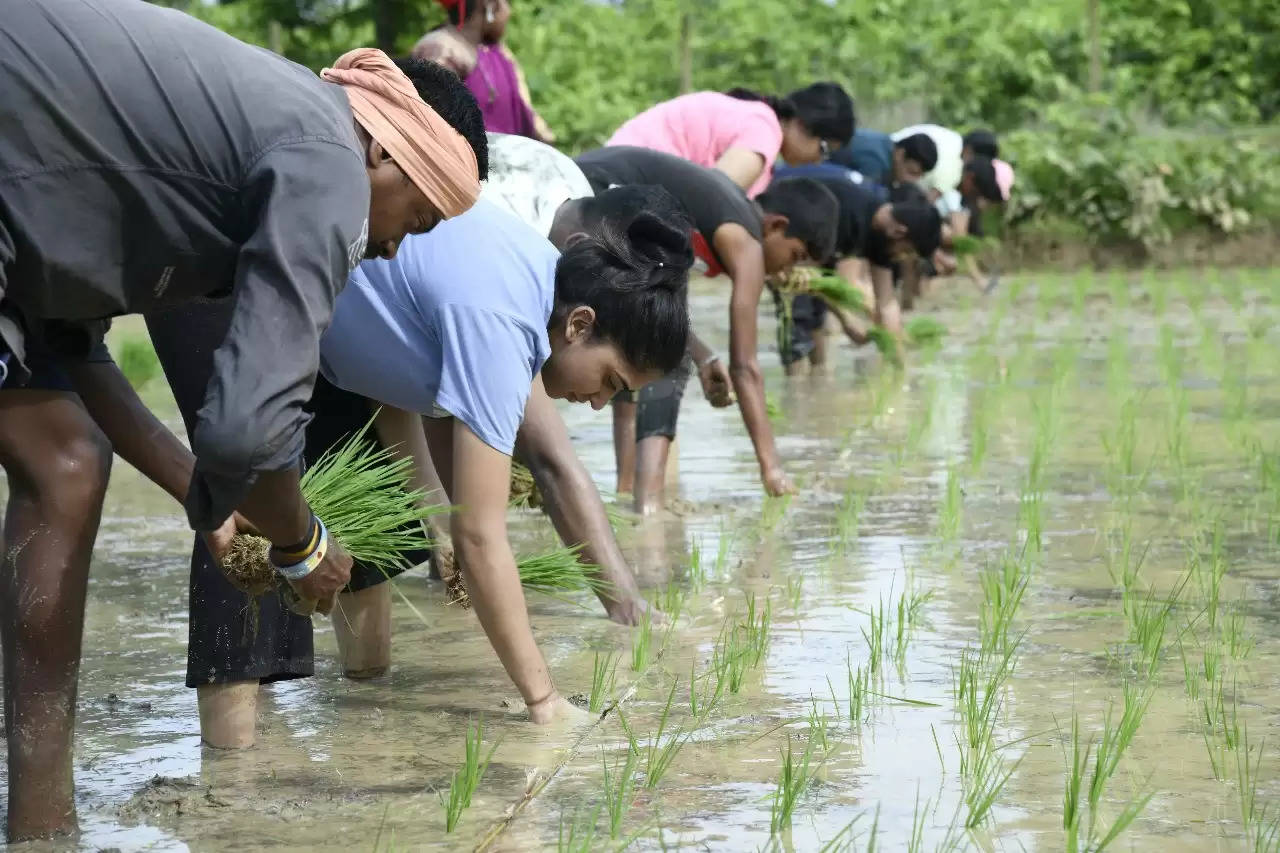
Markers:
(1063, 423)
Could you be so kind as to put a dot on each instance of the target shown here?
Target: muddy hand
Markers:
(777, 483)
(326, 580)
(630, 611)
(716, 384)
(219, 541)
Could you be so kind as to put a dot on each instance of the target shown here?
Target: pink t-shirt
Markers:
(702, 126)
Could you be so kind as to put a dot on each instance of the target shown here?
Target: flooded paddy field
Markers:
(1026, 599)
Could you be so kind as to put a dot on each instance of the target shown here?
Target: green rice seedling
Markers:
(915, 844)
(467, 777)
(730, 658)
(795, 592)
(723, 546)
(1079, 835)
(858, 690)
(874, 635)
(846, 525)
(792, 783)
(1003, 589)
(1148, 621)
(1190, 677)
(773, 408)
(1122, 446)
(838, 292)
(697, 572)
(604, 672)
(1031, 519)
(1079, 296)
(952, 503)
(887, 344)
(672, 598)
(619, 788)
(579, 834)
(923, 330)
(987, 776)
(772, 510)
(137, 360)
(641, 644)
(819, 726)
(658, 754)
(1235, 635)
(978, 699)
(756, 629)
(702, 701)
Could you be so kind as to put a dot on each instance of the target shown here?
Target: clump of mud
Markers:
(247, 566)
(162, 796)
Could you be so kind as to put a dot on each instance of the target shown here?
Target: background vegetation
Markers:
(1129, 120)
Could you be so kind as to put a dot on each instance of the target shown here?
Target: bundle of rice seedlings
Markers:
(924, 330)
(360, 492)
(822, 283)
(556, 573)
(524, 489)
(886, 343)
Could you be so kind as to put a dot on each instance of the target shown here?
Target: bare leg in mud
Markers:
(228, 714)
(624, 444)
(57, 462)
(651, 455)
(362, 624)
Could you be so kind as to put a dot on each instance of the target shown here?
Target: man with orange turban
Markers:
(148, 160)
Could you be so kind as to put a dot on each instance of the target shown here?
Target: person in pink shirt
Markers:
(742, 133)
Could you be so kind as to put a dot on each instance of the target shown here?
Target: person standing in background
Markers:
(495, 78)
(742, 133)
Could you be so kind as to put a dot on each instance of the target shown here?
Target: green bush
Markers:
(137, 360)
(1088, 164)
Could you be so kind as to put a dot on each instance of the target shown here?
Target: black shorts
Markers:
(796, 336)
(658, 403)
(228, 639)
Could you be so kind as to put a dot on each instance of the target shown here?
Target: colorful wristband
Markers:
(299, 570)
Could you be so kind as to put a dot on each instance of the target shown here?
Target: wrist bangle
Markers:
(300, 569)
(299, 550)
(529, 704)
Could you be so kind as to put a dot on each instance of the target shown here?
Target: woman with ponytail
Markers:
(469, 333)
(742, 133)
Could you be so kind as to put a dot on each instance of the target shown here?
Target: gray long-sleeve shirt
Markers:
(147, 160)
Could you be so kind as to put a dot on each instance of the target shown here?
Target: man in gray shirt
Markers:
(148, 160)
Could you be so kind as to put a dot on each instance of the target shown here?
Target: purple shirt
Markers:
(497, 91)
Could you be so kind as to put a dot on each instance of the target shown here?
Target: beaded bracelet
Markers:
(299, 570)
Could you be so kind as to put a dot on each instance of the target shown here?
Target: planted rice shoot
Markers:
(658, 754)
(793, 781)
(703, 700)
(604, 672)
(924, 330)
(1003, 589)
(578, 835)
(467, 777)
(361, 493)
(847, 517)
(1090, 768)
(641, 644)
(949, 516)
(983, 779)
(619, 788)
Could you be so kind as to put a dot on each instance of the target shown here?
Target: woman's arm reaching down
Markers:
(477, 480)
(571, 500)
(744, 261)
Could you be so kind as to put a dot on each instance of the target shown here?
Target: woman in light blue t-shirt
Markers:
(482, 319)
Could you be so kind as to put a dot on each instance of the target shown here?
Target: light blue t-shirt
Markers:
(456, 321)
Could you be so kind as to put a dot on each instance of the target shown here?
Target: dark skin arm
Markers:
(743, 259)
(280, 513)
(571, 500)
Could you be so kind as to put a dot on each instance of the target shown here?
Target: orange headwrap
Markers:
(432, 154)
